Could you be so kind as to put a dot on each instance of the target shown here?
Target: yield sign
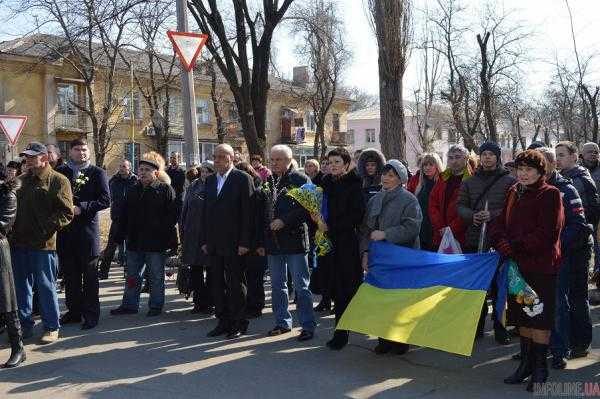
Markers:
(187, 46)
(12, 125)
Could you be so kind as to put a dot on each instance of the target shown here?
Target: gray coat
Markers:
(190, 224)
(470, 190)
(398, 214)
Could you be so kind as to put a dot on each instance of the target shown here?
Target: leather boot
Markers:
(13, 327)
(525, 366)
(539, 374)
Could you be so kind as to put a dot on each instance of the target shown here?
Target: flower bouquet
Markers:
(310, 197)
(525, 295)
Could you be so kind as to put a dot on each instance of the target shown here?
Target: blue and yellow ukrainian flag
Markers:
(421, 298)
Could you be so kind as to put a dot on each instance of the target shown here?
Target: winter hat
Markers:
(493, 147)
(535, 145)
(208, 164)
(398, 168)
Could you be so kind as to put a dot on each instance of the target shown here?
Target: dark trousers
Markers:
(580, 320)
(81, 285)
(201, 287)
(109, 252)
(493, 295)
(228, 280)
(256, 267)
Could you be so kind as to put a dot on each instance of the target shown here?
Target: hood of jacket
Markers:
(367, 155)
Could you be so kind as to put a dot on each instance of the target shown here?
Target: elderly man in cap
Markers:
(148, 223)
(45, 205)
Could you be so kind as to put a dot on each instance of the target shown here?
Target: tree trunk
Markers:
(485, 88)
(321, 147)
(592, 99)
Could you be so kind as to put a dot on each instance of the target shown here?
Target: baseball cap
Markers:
(34, 148)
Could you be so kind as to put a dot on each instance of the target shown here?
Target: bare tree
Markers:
(392, 22)
(152, 67)
(91, 33)
(360, 98)
(245, 61)
(324, 47)
(592, 99)
(216, 96)
(429, 74)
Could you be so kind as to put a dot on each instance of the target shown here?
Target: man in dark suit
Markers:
(177, 176)
(226, 237)
(79, 243)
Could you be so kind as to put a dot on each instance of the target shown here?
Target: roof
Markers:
(53, 48)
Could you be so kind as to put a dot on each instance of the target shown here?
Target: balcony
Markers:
(339, 139)
(75, 123)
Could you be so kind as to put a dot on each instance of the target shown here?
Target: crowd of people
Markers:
(231, 221)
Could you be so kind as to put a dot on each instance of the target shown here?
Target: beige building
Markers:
(42, 85)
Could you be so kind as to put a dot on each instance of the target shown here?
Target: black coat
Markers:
(149, 218)
(118, 193)
(177, 176)
(8, 213)
(227, 216)
(346, 209)
(82, 235)
(257, 218)
(293, 238)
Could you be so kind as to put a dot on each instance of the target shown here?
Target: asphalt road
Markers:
(170, 357)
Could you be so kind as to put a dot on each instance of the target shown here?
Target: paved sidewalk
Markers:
(170, 357)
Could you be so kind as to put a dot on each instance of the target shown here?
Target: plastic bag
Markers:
(449, 245)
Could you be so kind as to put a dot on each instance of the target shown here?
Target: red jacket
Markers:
(530, 233)
(437, 199)
(413, 182)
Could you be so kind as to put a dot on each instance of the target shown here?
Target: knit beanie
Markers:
(399, 168)
(491, 146)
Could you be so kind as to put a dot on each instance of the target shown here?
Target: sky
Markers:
(548, 19)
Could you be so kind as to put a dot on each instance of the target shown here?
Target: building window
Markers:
(234, 115)
(202, 111)
(206, 151)
(128, 154)
(303, 154)
(63, 147)
(370, 133)
(336, 122)
(66, 97)
(137, 106)
(311, 124)
(350, 136)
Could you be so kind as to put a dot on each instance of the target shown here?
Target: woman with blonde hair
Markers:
(421, 184)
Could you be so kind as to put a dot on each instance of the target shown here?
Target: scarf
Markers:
(77, 169)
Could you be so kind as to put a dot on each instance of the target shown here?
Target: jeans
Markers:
(298, 265)
(559, 340)
(137, 263)
(40, 268)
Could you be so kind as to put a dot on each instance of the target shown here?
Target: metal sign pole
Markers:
(188, 98)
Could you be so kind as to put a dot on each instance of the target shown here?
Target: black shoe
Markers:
(539, 375)
(233, 334)
(384, 346)
(339, 340)
(220, 329)
(278, 331)
(89, 324)
(153, 312)
(241, 328)
(195, 310)
(558, 362)
(516, 356)
(323, 306)
(501, 336)
(400, 348)
(525, 367)
(578, 353)
(121, 311)
(306, 336)
(70, 318)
